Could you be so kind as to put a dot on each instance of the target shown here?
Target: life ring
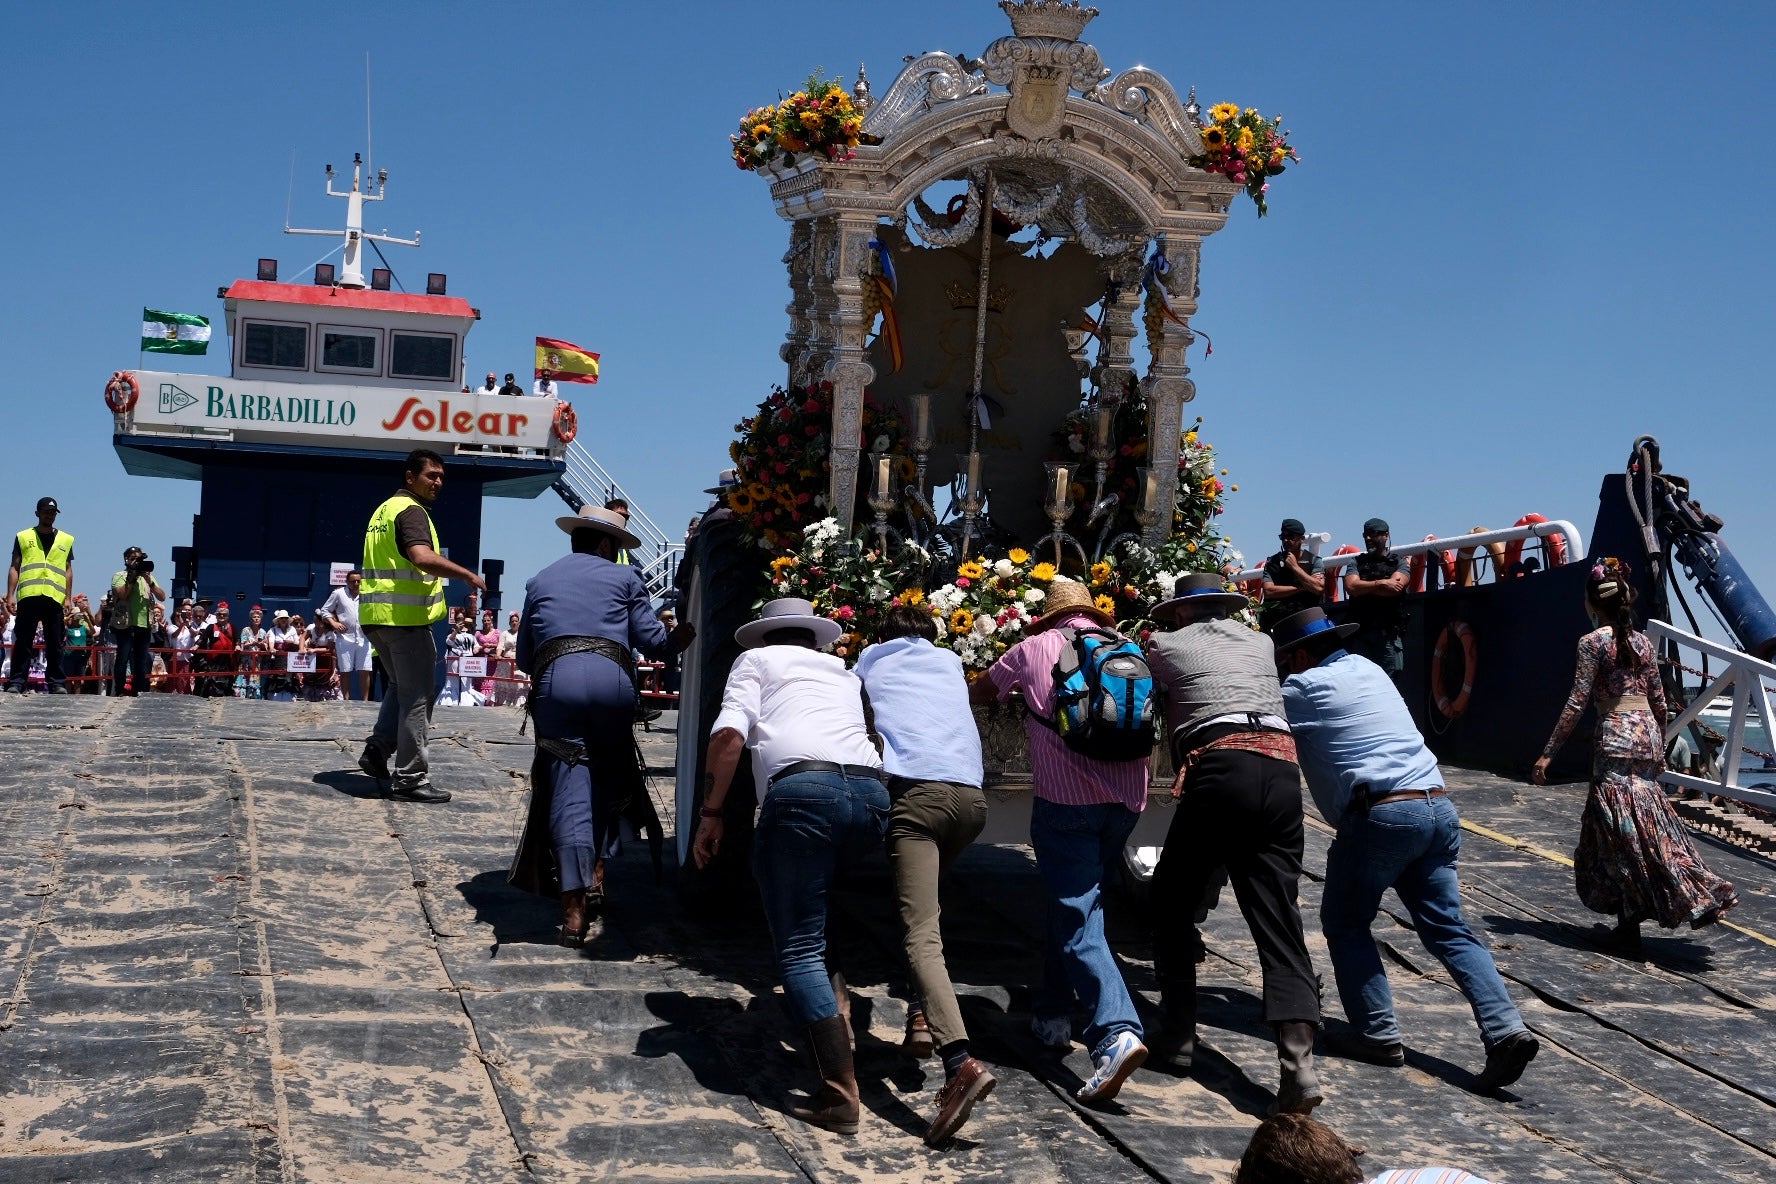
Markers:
(1556, 544)
(1452, 709)
(567, 423)
(1416, 568)
(122, 392)
(1337, 585)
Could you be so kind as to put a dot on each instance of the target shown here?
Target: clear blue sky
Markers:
(1521, 233)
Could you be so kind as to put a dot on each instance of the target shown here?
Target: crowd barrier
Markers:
(258, 667)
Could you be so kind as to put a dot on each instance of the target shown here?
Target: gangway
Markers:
(585, 480)
(1743, 684)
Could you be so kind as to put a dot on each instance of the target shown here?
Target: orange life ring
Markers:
(567, 423)
(1416, 568)
(122, 392)
(1337, 585)
(1451, 709)
(1556, 544)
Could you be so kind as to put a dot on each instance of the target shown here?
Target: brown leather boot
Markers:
(1299, 1090)
(919, 1041)
(835, 1104)
(842, 996)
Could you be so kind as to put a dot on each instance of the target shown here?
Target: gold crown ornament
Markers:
(1048, 18)
(964, 295)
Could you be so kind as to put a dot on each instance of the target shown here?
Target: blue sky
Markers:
(1521, 234)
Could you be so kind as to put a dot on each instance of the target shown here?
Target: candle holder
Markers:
(1102, 445)
(968, 467)
(923, 437)
(882, 498)
(1057, 503)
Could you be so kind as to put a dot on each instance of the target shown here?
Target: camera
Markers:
(143, 566)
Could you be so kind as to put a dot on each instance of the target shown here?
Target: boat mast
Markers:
(351, 268)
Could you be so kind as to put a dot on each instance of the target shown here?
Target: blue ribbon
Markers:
(881, 250)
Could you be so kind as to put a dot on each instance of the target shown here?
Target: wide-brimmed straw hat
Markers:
(1309, 623)
(602, 520)
(787, 612)
(1065, 599)
(726, 480)
(1206, 588)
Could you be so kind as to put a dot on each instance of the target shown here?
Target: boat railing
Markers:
(1741, 682)
(656, 560)
(1478, 541)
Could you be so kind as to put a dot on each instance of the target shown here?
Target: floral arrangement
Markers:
(1246, 148)
(818, 118)
(783, 461)
(848, 581)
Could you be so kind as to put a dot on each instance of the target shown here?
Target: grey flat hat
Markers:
(787, 612)
(602, 520)
(1203, 587)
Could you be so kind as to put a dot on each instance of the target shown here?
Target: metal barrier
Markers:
(1743, 683)
(1575, 546)
(656, 560)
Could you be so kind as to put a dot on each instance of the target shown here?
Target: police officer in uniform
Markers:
(37, 588)
(400, 598)
(1373, 589)
(1294, 578)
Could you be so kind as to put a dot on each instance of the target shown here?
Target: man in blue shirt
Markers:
(931, 752)
(1374, 780)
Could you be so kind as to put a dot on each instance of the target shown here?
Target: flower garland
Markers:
(848, 581)
(783, 458)
(1246, 148)
(819, 118)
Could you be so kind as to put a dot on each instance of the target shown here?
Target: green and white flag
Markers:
(174, 332)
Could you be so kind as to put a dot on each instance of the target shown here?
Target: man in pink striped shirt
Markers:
(1082, 815)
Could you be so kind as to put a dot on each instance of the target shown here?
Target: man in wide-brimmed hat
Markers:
(584, 615)
(826, 802)
(1081, 817)
(1239, 808)
(1374, 780)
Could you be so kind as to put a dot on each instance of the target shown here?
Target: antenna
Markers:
(290, 199)
(368, 155)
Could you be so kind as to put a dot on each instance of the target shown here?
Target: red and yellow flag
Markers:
(565, 361)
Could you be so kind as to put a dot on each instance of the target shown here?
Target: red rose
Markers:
(783, 440)
(812, 430)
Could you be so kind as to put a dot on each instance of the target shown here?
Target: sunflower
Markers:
(781, 562)
(961, 621)
(1246, 139)
(758, 491)
(907, 469)
(913, 596)
(971, 570)
(1105, 605)
(1100, 574)
(1224, 112)
(1214, 139)
(1018, 556)
(1043, 572)
(740, 502)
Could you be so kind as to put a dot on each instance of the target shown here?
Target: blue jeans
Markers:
(811, 825)
(1411, 847)
(1074, 844)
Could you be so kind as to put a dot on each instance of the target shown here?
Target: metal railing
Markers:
(1743, 683)
(656, 559)
(1575, 545)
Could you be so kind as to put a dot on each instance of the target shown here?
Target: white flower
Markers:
(1075, 444)
(985, 626)
(820, 500)
(1035, 596)
(881, 444)
(1167, 581)
(1004, 569)
(879, 592)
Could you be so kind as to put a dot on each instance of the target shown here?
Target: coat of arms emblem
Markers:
(1038, 104)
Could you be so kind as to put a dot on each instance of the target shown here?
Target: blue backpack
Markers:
(1103, 696)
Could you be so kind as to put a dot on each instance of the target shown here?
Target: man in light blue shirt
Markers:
(1374, 780)
(931, 752)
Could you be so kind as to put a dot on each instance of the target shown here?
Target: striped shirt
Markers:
(1061, 775)
(1427, 1176)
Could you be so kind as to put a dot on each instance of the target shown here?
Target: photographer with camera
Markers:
(133, 591)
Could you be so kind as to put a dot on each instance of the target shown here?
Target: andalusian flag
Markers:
(565, 361)
(174, 332)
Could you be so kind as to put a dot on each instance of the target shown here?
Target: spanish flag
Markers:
(565, 361)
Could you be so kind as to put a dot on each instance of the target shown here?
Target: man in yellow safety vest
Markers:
(38, 585)
(401, 596)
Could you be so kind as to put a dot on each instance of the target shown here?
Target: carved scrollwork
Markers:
(933, 235)
(1026, 201)
(1145, 95)
(1104, 246)
(1009, 144)
(928, 79)
(1080, 61)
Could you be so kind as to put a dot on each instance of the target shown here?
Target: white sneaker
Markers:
(1123, 1057)
(1056, 1033)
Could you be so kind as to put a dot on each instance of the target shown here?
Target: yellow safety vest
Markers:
(394, 592)
(44, 573)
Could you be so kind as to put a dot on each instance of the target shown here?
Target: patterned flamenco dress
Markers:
(1635, 861)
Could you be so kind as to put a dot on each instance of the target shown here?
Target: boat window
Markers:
(421, 355)
(349, 349)
(282, 346)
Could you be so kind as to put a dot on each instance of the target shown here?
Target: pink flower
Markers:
(811, 430)
(783, 440)
(811, 407)
(780, 468)
(962, 581)
(843, 613)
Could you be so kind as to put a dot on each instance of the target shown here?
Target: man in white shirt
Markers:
(491, 387)
(351, 648)
(826, 805)
(544, 387)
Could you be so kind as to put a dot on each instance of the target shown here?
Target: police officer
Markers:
(1373, 588)
(37, 588)
(1294, 578)
(401, 596)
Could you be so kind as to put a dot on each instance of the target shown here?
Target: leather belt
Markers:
(1404, 795)
(873, 772)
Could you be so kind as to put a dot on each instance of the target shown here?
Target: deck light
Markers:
(379, 278)
(268, 270)
(435, 283)
(324, 275)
